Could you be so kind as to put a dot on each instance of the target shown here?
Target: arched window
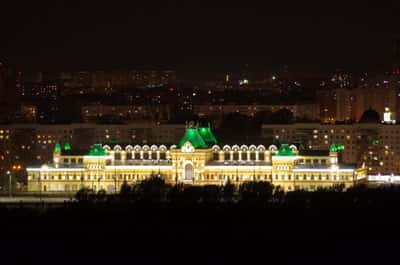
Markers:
(215, 156)
(188, 171)
(227, 156)
(137, 155)
(163, 156)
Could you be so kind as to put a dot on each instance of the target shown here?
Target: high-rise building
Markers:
(370, 142)
(9, 92)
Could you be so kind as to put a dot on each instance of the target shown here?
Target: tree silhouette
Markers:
(125, 193)
(211, 194)
(84, 195)
(152, 190)
(228, 191)
(256, 192)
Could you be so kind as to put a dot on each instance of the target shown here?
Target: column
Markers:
(112, 153)
(221, 155)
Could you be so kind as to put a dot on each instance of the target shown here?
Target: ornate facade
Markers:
(197, 160)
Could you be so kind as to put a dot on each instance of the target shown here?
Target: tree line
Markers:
(256, 193)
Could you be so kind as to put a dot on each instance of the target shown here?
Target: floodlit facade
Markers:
(197, 160)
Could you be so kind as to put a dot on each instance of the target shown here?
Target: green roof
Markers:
(97, 150)
(375, 142)
(336, 147)
(67, 146)
(207, 135)
(333, 148)
(198, 137)
(57, 148)
(285, 150)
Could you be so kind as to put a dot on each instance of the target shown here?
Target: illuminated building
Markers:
(87, 82)
(387, 116)
(197, 160)
(32, 144)
(371, 142)
(126, 113)
(307, 111)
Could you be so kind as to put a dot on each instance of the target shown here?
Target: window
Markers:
(215, 156)
(227, 156)
(261, 156)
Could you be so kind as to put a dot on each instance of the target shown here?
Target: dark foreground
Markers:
(121, 233)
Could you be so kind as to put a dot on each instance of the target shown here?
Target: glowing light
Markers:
(244, 82)
(67, 147)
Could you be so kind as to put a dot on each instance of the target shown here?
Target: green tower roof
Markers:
(67, 146)
(285, 150)
(193, 136)
(207, 135)
(57, 147)
(97, 150)
(336, 147)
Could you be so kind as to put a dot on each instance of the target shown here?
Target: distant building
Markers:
(106, 82)
(33, 143)
(126, 113)
(306, 111)
(9, 93)
(375, 144)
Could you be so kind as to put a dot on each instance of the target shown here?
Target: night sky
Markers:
(198, 37)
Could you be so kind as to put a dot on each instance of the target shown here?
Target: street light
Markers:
(9, 183)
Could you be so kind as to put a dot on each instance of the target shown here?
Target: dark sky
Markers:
(196, 37)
